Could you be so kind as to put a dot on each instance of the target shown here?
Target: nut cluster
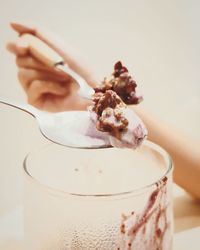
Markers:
(122, 83)
(108, 106)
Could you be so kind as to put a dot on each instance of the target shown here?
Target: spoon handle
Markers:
(22, 106)
(51, 58)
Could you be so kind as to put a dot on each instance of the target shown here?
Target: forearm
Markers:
(185, 153)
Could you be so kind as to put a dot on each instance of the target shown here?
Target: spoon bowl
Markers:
(70, 128)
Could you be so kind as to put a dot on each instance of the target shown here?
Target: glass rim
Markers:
(134, 192)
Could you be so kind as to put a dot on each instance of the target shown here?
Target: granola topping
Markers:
(122, 83)
(108, 107)
(110, 113)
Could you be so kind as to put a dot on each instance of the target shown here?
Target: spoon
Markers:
(70, 128)
(50, 58)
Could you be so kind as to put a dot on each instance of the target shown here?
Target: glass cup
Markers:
(104, 199)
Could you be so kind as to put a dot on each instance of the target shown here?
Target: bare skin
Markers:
(46, 88)
(50, 90)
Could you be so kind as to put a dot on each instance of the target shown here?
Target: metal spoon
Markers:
(50, 58)
(70, 128)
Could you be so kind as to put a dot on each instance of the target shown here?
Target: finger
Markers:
(29, 62)
(55, 42)
(23, 28)
(18, 47)
(51, 39)
(38, 88)
(26, 76)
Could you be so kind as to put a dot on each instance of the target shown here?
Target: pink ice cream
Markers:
(115, 122)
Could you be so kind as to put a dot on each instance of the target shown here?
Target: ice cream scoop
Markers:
(130, 137)
(135, 133)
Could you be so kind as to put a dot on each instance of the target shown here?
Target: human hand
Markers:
(47, 88)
